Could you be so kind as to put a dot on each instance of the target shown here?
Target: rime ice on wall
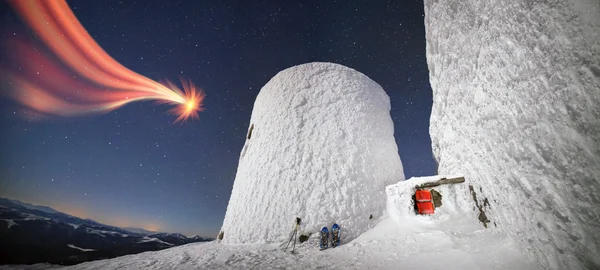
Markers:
(516, 87)
(320, 147)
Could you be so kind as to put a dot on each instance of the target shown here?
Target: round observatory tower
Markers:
(320, 146)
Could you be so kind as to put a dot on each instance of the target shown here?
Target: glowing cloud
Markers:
(85, 79)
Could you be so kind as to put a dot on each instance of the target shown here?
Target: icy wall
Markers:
(320, 147)
(516, 88)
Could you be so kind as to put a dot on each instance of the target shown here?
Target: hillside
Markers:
(35, 234)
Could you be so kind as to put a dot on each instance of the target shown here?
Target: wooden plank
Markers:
(442, 181)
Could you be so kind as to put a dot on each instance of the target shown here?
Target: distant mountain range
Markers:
(35, 234)
(138, 230)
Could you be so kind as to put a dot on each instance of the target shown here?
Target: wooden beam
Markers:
(441, 182)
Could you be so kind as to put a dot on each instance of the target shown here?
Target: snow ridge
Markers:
(516, 87)
(82, 249)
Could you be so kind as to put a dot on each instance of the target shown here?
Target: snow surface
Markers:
(10, 222)
(175, 235)
(102, 232)
(137, 230)
(82, 249)
(96, 232)
(152, 239)
(402, 241)
(321, 148)
(29, 216)
(516, 89)
(111, 232)
(35, 207)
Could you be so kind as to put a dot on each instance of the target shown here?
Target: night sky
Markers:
(134, 167)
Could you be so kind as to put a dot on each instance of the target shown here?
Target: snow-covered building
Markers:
(320, 147)
(516, 110)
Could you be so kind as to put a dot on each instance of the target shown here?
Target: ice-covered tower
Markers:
(516, 89)
(320, 146)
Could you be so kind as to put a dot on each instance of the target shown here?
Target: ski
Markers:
(335, 235)
(324, 243)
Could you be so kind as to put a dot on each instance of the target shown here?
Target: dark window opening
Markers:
(250, 131)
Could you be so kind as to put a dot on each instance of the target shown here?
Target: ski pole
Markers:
(289, 241)
(295, 233)
(298, 220)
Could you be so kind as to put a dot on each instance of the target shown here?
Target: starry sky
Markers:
(133, 167)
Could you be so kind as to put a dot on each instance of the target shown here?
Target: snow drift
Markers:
(320, 146)
(516, 88)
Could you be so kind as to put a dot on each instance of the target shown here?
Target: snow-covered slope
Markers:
(421, 245)
(320, 147)
(33, 207)
(401, 241)
(137, 230)
(516, 87)
(30, 235)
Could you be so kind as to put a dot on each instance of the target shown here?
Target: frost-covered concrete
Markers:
(516, 88)
(320, 147)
